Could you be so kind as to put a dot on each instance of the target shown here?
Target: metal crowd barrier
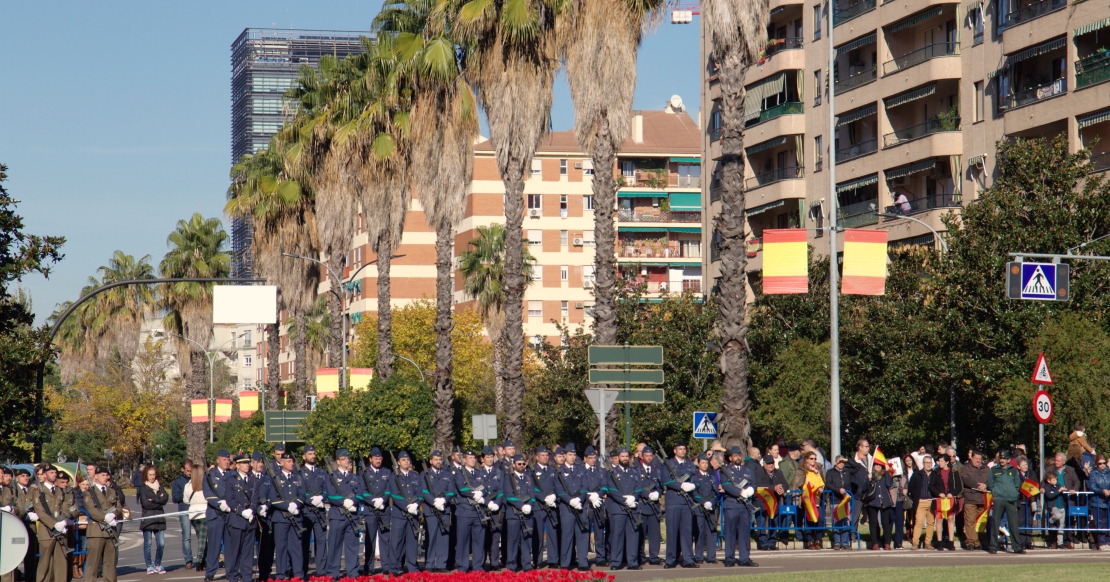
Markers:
(1080, 516)
(790, 517)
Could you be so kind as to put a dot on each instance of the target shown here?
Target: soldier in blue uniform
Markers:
(216, 514)
(343, 488)
(453, 466)
(240, 496)
(623, 491)
(505, 463)
(737, 487)
(439, 495)
(265, 534)
(571, 496)
(314, 479)
(651, 511)
(491, 479)
(405, 492)
(470, 549)
(705, 517)
(547, 513)
(519, 490)
(376, 481)
(286, 497)
(593, 484)
(676, 474)
(275, 463)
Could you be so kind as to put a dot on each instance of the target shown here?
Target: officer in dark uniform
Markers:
(314, 479)
(651, 511)
(376, 481)
(547, 515)
(286, 508)
(505, 463)
(593, 484)
(405, 492)
(453, 466)
(705, 546)
(438, 493)
(676, 474)
(470, 550)
(737, 487)
(240, 495)
(217, 513)
(571, 496)
(263, 487)
(275, 463)
(343, 488)
(519, 489)
(491, 479)
(623, 494)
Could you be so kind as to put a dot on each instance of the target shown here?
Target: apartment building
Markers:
(923, 90)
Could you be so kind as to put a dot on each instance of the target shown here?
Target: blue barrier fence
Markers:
(791, 518)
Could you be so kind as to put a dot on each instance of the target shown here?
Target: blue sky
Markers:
(115, 116)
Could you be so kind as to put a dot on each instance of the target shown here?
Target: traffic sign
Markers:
(601, 400)
(1041, 375)
(705, 425)
(626, 376)
(1038, 281)
(283, 426)
(641, 396)
(1042, 407)
(635, 355)
(485, 427)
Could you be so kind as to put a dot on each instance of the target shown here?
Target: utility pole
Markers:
(834, 208)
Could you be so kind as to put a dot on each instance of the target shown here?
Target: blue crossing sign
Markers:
(705, 425)
(1038, 281)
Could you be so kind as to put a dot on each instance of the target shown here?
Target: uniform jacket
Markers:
(491, 478)
(375, 485)
(24, 499)
(650, 481)
(544, 477)
(10, 498)
(467, 483)
(98, 504)
(1004, 483)
(281, 492)
(52, 504)
(569, 485)
(405, 489)
(673, 474)
(622, 481)
(707, 488)
(213, 485)
(315, 482)
(437, 483)
(733, 479)
(241, 493)
(340, 488)
(519, 490)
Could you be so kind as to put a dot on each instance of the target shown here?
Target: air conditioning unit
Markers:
(587, 284)
(577, 165)
(577, 242)
(578, 305)
(534, 213)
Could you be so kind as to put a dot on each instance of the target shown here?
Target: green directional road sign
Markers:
(619, 355)
(653, 396)
(283, 426)
(626, 376)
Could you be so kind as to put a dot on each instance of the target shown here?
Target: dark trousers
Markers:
(650, 535)
(494, 539)
(545, 530)
(598, 528)
(288, 550)
(875, 517)
(266, 550)
(519, 543)
(679, 532)
(403, 544)
(573, 539)
(899, 521)
(217, 528)
(239, 553)
(738, 535)
(316, 529)
(1100, 519)
(342, 539)
(766, 536)
(705, 541)
(370, 526)
(1010, 510)
(624, 537)
(439, 542)
(470, 551)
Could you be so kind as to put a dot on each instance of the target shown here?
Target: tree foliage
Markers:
(395, 414)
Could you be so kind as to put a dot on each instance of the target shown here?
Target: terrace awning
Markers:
(915, 19)
(908, 169)
(855, 44)
(1093, 118)
(687, 160)
(1029, 53)
(911, 95)
(686, 201)
(1091, 27)
(759, 147)
(855, 115)
(641, 194)
(858, 183)
(764, 208)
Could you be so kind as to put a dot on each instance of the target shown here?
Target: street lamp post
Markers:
(211, 357)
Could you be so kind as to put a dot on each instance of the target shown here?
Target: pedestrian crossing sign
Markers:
(1038, 281)
(705, 425)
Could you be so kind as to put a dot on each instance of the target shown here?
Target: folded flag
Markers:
(988, 504)
(842, 511)
(864, 262)
(785, 261)
(880, 458)
(810, 499)
(770, 502)
(199, 410)
(944, 507)
(1030, 488)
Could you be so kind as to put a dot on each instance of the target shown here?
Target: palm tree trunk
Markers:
(336, 341)
(444, 385)
(513, 334)
(734, 426)
(196, 433)
(384, 249)
(605, 262)
(273, 366)
(300, 354)
(498, 376)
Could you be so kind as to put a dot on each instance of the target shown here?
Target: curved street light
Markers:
(209, 355)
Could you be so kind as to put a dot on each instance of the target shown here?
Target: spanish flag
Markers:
(199, 410)
(327, 382)
(842, 511)
(770, 502)
(223, 409)
(785, 261)
(864, 262)
(810, 500)
(880, 458)
(988, 504)
(248, 403)
(944, 507)
(361, 377)
(1030, 488)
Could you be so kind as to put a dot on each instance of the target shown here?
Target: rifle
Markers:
(444, 526)
(319, 512)
(414, 520)
(655, 506)
(297, 525)
(637, 519)
(743, 484)
(342, 510)
(689, 500)
(552, 512)
(483, 511)
(527, 527)
(57, 535)
(112, 532)
(578, 517)
(383, 521)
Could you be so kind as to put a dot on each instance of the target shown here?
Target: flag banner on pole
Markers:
(1030, 488)
(810, 501)
(988, 504)
(880, 458)
(327, 382)
(770, 502)
(944, 507)
(248, 403)
(199, 410)
(785, 261)
(864, 262)
(843, 510)
(223, 410)
(361, 377)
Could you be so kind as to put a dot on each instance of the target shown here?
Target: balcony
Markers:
(932, 51)
(923, 204)
(775, 176)
(921, 130)
(629, 215)
(644, 179)
(1100, 162)
(691, 285)
(858, 214)
(646, 251)
(842, 15)
(1092, 70)
(854, 151)
(778, 45)
(1032, 11)
(684, 181)
(788, 108)
(1035, 94)
(857, 80)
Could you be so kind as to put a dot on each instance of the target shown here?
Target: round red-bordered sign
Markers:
(1042, 407)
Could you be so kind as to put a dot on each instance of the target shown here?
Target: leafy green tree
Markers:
(793, 402)
(168, 446)
(240, 434)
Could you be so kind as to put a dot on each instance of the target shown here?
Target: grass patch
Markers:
(1008, 573)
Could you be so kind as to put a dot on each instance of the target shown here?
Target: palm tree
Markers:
(600, 46)
(198, 248)
(511, 56)
(317, 329)
(483, 268)
(738, 29)
(122, 310)
(442, 128)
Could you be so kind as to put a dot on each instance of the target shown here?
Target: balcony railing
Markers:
(645, 179)
(715, 134)
(775, 176)
(842, 15)
(777, 45)
(1100, 162)
(858, 214)
(854, 81)
(632, 251)
(787, 108)
(684, 181)
(854, 151)
(1038, 93)
(932, 51)
(691, 286)
(630, 215)
(923, 204)
(921, 130)
(1034, 10)
(1092, 75)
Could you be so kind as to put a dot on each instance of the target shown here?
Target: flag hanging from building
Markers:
(843, 509)
(223, 410)
(770, 502)
(327, 382)
(864, 262)
(1030, 488)
(785, 261)
(988, 504)
(199, 410)
(248, 403)
(361, 377)
(880, 458)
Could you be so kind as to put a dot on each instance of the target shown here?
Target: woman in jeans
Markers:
(153, 499)
(194, 496)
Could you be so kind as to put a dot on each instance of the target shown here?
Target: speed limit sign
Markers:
(1042, 407)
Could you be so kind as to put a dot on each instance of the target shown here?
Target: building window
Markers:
(247, 360)
(979, 94)
(564, 309)
(563, 235)
(564, 272)
(535, 309)
(537, 272)
(587, 275)
(563, 213)
(535, 202)
(975, 17)
(818, 154)
(247, 383)
(587, 203)
(817, 22)
(819, 86)
(247, 339)
(535, 238)
(562, 167)
(628, 169)
(588, 237)
(588, 167)
(589, 309)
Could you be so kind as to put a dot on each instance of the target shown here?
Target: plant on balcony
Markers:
(621, 182)
(654, 178)
(664, 205)
(950, 120)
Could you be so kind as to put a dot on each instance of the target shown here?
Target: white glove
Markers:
(595, 503)
(110, 516)
(550, 500)
(248, 514)
(526, 509)
(60, 526)
(378, 503)
(32, 516)
(440, 503)
(112, 522)
(7, 508)
(293, 509)
(576, 503)
(479, 497)
(654, 496)
(317, 500)
(413, 508)
(351, 509)
(493, 506)
(708, 505)
(224, 507)
(262, 511)
(349, 504)
(688, 487)
(630, 501)
(747, 493)
(594, 497)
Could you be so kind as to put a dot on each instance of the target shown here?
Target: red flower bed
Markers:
(479, 576)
